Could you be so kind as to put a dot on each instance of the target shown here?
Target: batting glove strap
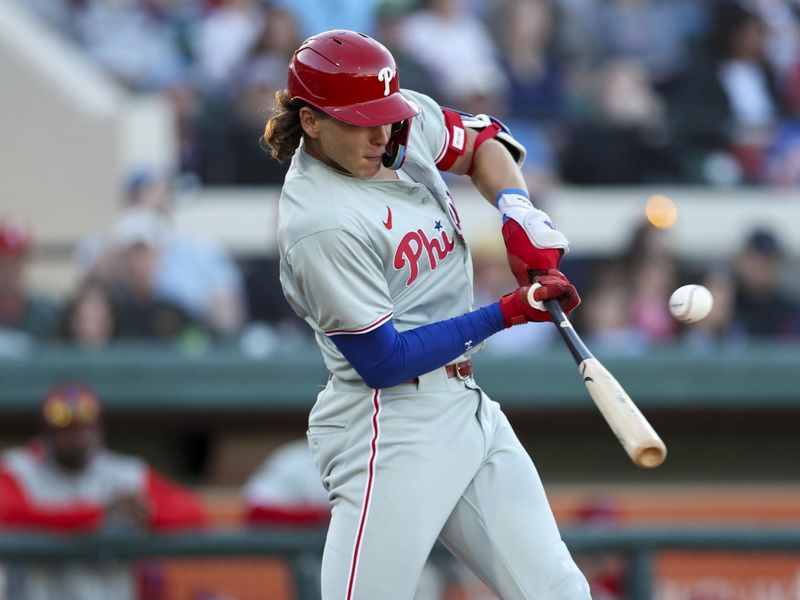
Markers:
(513, 203)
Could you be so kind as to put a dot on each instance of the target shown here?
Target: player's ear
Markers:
(310, 121)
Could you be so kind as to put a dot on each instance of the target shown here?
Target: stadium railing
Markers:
(639, 545)
(762, 375)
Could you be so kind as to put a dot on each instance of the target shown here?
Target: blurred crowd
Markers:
(626, 310)
(142, 281)
(600, 91)
(625, 298)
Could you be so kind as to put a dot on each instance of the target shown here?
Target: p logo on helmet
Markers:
(386, 74)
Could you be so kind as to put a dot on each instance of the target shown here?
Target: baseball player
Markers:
(409, 448)
(67, 481)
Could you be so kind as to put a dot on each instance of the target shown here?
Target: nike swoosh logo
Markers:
(388, 222)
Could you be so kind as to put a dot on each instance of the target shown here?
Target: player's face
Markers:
(356, 150)
(74, 446)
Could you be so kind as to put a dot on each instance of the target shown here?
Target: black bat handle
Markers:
(571, 338)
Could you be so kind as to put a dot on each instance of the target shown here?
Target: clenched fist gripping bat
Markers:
(636, 435)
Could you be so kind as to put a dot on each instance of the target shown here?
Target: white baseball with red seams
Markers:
(691, 303)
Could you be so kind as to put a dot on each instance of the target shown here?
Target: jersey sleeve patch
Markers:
(455, 141)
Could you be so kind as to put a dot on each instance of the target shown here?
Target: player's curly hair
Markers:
(283, 130)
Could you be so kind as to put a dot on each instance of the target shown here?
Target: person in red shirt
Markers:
(66, 480)
(25, 316)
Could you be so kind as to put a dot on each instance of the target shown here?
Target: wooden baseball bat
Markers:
(636, 435)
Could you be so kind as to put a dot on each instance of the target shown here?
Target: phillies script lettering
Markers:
(412, 246)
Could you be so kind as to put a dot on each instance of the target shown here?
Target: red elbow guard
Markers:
(455, 143)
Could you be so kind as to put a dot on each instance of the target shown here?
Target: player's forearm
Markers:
(385, 357)
(494, 170)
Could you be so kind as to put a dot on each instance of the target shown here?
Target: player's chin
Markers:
(369, 167)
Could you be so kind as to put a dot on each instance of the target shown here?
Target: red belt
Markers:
(462, 370)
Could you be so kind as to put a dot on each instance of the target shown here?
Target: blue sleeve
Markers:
(385, 357)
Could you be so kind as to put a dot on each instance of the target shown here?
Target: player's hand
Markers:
(526, 303)
(533, 244)
(128, 510)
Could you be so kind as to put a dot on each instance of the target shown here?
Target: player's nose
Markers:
(379, 135)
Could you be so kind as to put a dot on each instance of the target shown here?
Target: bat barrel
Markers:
(651, 456)
(635, 434)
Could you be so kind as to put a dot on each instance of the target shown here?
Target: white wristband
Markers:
(535, 222)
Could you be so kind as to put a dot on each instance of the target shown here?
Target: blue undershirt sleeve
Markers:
(385, 357)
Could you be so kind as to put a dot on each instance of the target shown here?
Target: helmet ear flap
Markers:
(395, 153)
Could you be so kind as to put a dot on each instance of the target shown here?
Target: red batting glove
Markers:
(524, 257)
(518, 307)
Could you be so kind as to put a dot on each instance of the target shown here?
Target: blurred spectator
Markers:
(456, 48)
(577, 32)
(224, 37)
(523, 30)
(782, 20)
(782, 159)
(197, 274)
(762, 307)
(652, 282)
(20, 310)
(88, 320)
(267, 303)
(605, 317)
(654, 32)
(194, 275)
(717, 329)
(316, 16)
(604, 571)
(56, 14)
(652, 275)
(137, 42)
(536, 102)
(141, 311)
(286, 490)
(730, 104)
(648, 242)
(67, 481)
(413, 75)
(623, 136)
(229, 148)
(279, 36)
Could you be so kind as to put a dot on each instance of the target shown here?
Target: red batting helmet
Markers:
(350, 77)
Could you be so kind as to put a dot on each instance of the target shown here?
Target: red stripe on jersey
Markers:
(366, 329)
(373, 456)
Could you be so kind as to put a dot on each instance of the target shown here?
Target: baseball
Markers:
(691, 303)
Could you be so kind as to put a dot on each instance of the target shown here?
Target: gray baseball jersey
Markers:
(433, 458)
(356, 253)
